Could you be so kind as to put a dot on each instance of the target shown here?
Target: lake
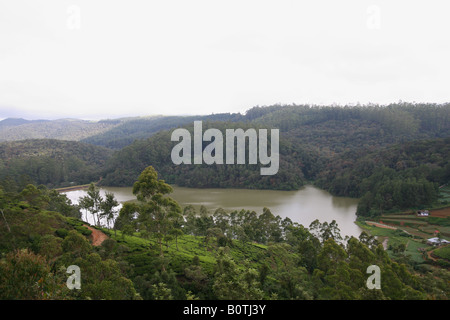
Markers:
(302, 206)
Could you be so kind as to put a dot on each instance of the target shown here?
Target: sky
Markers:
(106, 59)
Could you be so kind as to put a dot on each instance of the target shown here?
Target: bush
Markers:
(443, 263)
(443, 252)
(62, 233)
(83, 230)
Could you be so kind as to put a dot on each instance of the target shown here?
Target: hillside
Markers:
(311, 137)
(347, 150)
(62, 129)
(53, 163)
(225, 256)
(126, 132)
(124, 167)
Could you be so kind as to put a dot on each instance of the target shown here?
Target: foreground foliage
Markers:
(237, 255)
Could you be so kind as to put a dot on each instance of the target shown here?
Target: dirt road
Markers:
(97, 237)
(380, 225)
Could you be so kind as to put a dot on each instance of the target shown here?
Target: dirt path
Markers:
(97, 236)
(380, 225)
(430, 256)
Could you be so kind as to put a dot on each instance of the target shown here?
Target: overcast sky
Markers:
(103, 59)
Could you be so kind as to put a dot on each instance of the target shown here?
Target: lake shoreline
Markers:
(301, 206)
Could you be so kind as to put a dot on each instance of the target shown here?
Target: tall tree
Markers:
(156, 212)
(108, 207)
(92, 202)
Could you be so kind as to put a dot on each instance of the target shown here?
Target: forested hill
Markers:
(126, 164)
(312, 139)
(128, 131)
(53, 163)
(12, 129)
(378, 153)
(342, 149)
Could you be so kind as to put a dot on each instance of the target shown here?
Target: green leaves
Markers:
(155, 214)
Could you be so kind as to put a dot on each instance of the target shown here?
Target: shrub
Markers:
(443, 252)
(62, 233)
(84, 231)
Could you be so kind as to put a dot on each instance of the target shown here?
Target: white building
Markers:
(436, 241)
(423, 213)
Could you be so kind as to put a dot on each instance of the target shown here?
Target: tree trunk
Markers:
(4, 218)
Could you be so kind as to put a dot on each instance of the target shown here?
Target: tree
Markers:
(189, 216)
(2, 204)
(234, 283)
(103, 279)
(325, 231)
(291, 280)
(108, 206)
(194, 273)
(92, 202)
(59, 202)
(27, 276)
(156, 213)
(126, 221)
(177, 228)
(76, 245)
(34, 196)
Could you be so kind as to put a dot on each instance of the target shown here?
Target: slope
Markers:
(50, 162)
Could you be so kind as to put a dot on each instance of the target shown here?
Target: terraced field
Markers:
(412, 231)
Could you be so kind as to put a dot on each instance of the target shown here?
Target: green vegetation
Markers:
(408, 241)
(444, 195)
(394, 158)
(52, 163)
(443, 253)
(129, 130)
(155, 255)
(125, 166)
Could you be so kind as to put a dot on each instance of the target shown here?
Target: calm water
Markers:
(302, 206)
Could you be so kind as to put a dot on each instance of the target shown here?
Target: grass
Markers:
(412, 249)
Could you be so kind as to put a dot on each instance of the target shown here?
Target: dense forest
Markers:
(49, 162)
(393, 157)
(128, 130)
(157, 250)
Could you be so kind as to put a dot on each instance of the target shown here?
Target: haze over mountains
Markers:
(63, 129)
(111, 133)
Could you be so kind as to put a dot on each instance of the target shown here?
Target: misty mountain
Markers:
(13, 122)
(13, 129)
(126, 132)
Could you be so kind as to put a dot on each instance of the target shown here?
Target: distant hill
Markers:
(51, 162)
(13, 129)
(110, 133)
(129, 130)
(11, 122)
